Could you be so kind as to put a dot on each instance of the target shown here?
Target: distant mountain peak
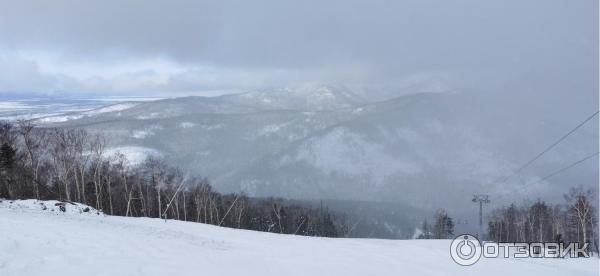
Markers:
(309, 97)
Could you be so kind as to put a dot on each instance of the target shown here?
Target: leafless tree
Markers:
(33, 151)
(97, 147)
(62, 152)
(580, 210)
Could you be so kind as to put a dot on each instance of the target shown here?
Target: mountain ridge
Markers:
(435, 147)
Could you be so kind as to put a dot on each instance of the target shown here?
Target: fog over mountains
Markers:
(430, 102)
(428, 150)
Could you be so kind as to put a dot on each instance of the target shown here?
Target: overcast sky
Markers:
(162, 47)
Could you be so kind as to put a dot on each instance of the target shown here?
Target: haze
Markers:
(545, 48)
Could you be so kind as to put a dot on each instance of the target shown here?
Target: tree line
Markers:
(573, 221)
(73, 165)
(442, 227)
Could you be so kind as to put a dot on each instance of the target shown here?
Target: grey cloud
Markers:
(479, 45)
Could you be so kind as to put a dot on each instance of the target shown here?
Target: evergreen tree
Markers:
(444, 226)
(7, 163)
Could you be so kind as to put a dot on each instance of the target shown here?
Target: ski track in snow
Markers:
(35, 242)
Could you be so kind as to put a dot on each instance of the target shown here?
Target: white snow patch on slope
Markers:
(342, 151)
(271, 129)
(58, 119)
(110, 108)
(212, 127)
(86, 113)
(146, 132)
(141, 134)
(48, 206)
(186, 125)
(13, 105)
(37, 243)
(148, 116)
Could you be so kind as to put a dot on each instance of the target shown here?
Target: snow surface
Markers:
(146, 132)
(114, 108)
(35, 242)
(342, 151)
(12, 105)
(58, 119)
(186, 125)
(110, 108)
(48, 206)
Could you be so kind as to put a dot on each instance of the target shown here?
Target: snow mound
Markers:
(48, 206)
(36, 243)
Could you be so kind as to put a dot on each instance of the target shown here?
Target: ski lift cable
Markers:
(565, 168)
(520, 169)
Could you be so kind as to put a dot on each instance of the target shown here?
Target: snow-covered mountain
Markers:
(427, 150)
(300, 98)
(41, 242)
